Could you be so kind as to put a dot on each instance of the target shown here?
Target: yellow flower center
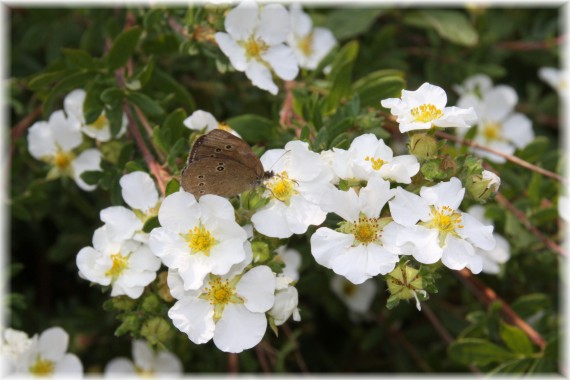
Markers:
(348, 289)
(282, 187)
(200, 240)
(254, 48)
(305, 44)
(120, 263)
(426, 113)
(42, 367)
(100, 123)
(143, 373)
(365, 230)
(63, 159)
(375, 162)
(446, 220)
(220, 293)
(492, 131)
(225, 127)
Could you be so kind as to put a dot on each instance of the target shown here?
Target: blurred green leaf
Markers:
(123, 47)
(449, 24)
(150, 224)
(478, 351)
(350, 22)
(78, 59)
(172, 186)
(515, 339)
(148, 106)
(379, 85)
(340, 76)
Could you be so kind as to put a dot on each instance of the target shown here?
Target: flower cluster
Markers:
(120, 256)
(43, 355)
(60, 143)
(267, 40)
(499, 127)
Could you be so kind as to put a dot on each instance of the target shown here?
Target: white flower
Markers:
(296, 191)
(197, 238)
(205, 122)
(498, 128)
(254, 43)
(230, 309)
(425, 108)
(555, 78)
(364, 245)
(369, 157)
(139, 192)
(492, 259)
(292, 260)
(309, 44)
(100, 129)
(477, 84)
(54, 142)
(128, 266)
(13, 344)
(357, 298)
(147, 363)
(286, 301)
(47, 356)
(443, 232)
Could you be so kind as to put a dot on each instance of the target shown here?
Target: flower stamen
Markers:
(305, 44)
(365, 230)
(426, 113)
(200, 239)
(42, 367)
(254, 48)
(376, 163)
(220, 293)
(446, 220)
(282, 187)
(492, 131)
(120, 263)
(100, 123)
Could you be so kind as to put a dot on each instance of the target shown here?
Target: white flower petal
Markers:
(139, 191)
(195, 318)
(457, 253)
(119, 366)
(53, 343)
(301, 23)
(257, 287)
(425, 241)
(168, 246)
(217, 207)
(73, 104)
(179, 212)
(499, 102)
(302, 213)
(273, 24)
(352, 264)
(518, 129)
(456, 117)
(380, 260)
(90, 266)
(88, 160)
(41, 142)
(407, 208)
(69, 365)
(448, 193)
(239, 329)
(241, 21)
(121, 222)
(168, 364)
(326, 244)
(374, 196)
(202, 120)
(477, 233)
(261, 77)
(271, 221)
(225, 254)
(282, 61)
(359, 297)
(143, 355)
(232, 50)
(66, 131)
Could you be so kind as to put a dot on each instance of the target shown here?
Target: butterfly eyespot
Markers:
(201, 184)
(228, 147)
(213, 155)
(202, 191)
(220, 168)
(218, 150)
(221, 163)
(200, 176)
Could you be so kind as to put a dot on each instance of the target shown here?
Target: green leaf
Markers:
(123, 47)
(350, 22)
(254, 128)
(133, 166)
(379, 85)
(115, 116)
(148, 106)
(512, 366)
(92, 105)
(164, 82)
(72, 81)
(172, 186)
(112, 95)
(150, 224)
(340, 76)
(78, 59)
(478, 351)
(126, 154)
(449, 24)
(44, 79)
(535, 150)
(530, 304)
(91, 177)
(175, 120)
(515, 339)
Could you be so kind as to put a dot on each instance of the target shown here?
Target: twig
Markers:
(18, 130)
(298, 356)
(286, 113)
(233, 363)
(259, 351)
(177, 27)
(513, 159)
(148, 129)
(501, 199)
(488, 296)
(531, 45)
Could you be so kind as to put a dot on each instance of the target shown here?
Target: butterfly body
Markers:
(222, 164)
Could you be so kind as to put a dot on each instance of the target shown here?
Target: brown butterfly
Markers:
(222, 164)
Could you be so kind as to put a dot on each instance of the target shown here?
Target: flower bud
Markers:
(261, 251)
(163, 289)
(157, 330)
(404, 283)
(482, 186)
(423, 146)
(150, 303)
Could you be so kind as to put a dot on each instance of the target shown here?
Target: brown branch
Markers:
(298, 356)
(262, 357)
(531, 45)
(233, 366)
(177, 27)
(442, 331)
(502, 200)
(513, 159)
(287, 113)
(487, 296)
(18, 130)
(148, 129)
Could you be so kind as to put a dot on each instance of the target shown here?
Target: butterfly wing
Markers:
(217, 176)
(221, 144)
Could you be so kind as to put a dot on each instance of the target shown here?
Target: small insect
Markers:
(222, 164)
